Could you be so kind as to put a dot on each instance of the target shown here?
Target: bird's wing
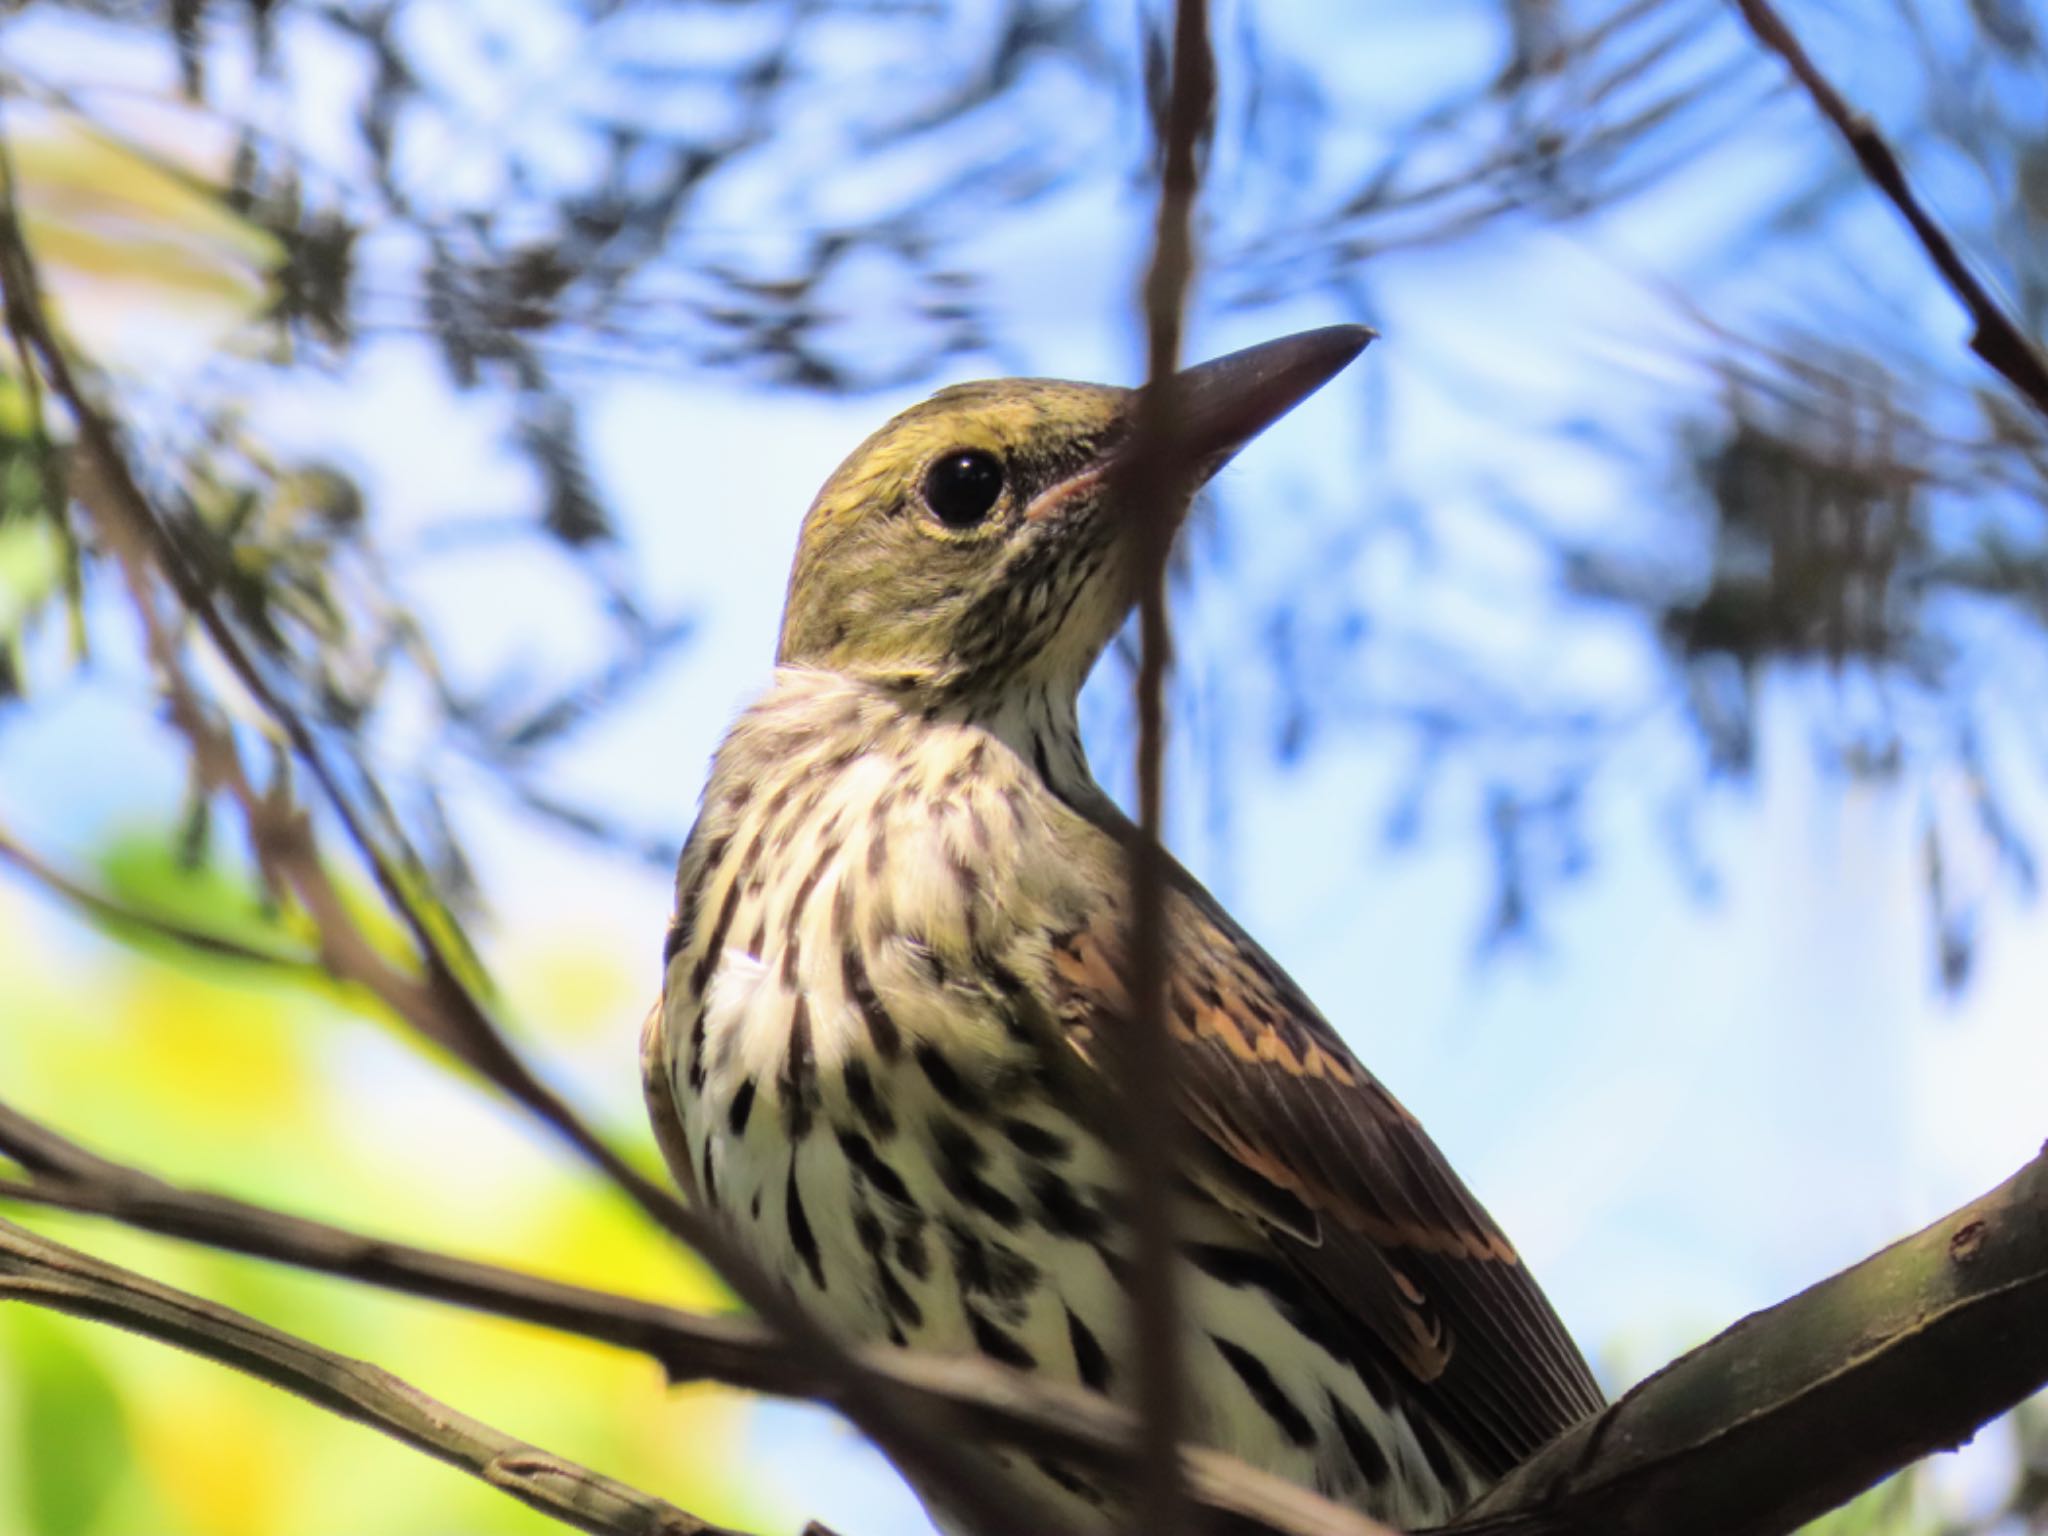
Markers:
(1401, 1261)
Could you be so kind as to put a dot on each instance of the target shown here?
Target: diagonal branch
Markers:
(46, 1274)
(439, 1004)
(1864, 1373)
(688, 1346)
(1798, 1408)
(1997, 339)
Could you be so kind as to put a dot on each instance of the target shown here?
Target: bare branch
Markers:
(1145, 1060)
(987, 1402)
(1997, 339)
(1864, 1373)
(1797, 1409)
(46, 1274)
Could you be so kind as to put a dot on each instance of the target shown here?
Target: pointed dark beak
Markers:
(1219, 406)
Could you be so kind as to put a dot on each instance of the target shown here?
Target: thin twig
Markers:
(33, 1269)
(127, 920)
(1145, 1061)
(1997, 337)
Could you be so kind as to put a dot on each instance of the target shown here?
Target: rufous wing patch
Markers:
(1232, 1010)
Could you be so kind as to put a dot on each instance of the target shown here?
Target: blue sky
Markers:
(1680, 1107)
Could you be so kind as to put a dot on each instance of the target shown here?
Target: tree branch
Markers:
(1901, 1355)
(1797, 1409)
(1997, 337)
(688, 1346)
(46, 1274)
(1144, 1059)
(984, 1402)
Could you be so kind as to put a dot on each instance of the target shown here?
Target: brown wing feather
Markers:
(1348, 1188)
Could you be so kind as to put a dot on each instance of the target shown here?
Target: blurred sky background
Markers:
(1715, 1064)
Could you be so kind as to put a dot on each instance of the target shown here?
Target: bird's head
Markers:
(983, 539)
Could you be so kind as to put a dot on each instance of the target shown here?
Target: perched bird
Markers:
(898, 951)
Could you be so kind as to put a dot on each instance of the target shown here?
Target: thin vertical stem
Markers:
(1146, 1061)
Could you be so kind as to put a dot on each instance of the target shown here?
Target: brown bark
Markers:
(1797, 1409)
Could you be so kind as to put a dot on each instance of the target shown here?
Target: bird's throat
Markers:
(1040, 725)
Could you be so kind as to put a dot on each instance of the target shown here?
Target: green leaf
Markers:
(73, 1437)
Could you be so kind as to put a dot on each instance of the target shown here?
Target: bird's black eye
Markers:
(961, 488)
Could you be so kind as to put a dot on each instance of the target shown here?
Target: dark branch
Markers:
(688, 1346)
(1864, 1373)
(1997, 339)
(47, 1274)
(984, 1402)
(1144, 1059)
(1799, 1408)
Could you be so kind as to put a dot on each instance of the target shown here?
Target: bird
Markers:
(896, 971)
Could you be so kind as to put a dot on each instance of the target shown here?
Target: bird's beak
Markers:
(1217, 407)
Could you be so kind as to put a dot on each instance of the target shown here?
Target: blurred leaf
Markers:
(73, 1431)
(31, 570)
(97, 209)
(152, 874)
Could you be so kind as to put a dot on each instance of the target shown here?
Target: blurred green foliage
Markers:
(70, 1416)
(218, 1074)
